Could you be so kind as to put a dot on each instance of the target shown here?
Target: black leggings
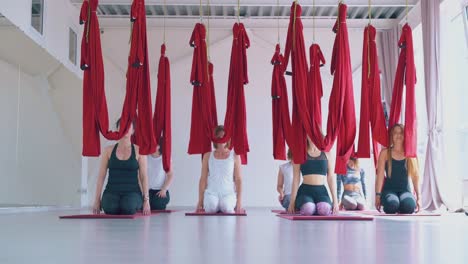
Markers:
(125, 203)
(156, 202)
(311, 194)
(398, 202)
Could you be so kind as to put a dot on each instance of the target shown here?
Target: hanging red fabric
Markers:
(235, 121)
(317, 60)
(294, 48)
(341, 69)
(405, 75)
(371, 102)
(280, 107)
(204, 117)
(162, 109)
(138, 93)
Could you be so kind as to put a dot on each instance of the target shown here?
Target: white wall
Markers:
(59, 16)
(260, 174)
(37, 162)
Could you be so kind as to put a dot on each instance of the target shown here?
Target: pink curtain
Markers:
(434, 173)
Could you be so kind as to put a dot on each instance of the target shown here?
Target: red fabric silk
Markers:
(280, 107)
(301, 121)
(371, 103)
(204, 117)
(235, 121)
(138, 94)
(405, 75)
(162, 109)
(341, 69)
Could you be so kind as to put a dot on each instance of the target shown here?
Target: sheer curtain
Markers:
(432, 187)
(453, 70)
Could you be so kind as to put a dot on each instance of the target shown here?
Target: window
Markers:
(72, 46)
(37, 14)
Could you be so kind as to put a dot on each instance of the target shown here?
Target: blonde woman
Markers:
(354, 184)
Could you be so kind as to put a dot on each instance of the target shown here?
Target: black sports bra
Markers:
(315, 165)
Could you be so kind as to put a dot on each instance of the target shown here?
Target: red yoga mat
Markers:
(281, 212)
(162, 211)
(98, 216)
(203, 213)
(326, 218)
(377, 213)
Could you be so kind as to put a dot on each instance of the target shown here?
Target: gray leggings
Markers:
(353, 201)
(398, 202)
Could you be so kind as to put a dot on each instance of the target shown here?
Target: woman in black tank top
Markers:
(127, 185)
(394, 170)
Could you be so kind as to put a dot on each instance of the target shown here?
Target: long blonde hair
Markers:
(412, 164)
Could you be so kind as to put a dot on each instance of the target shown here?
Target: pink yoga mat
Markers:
(377, 213)
(98, 216)
(162, 211)
(326, 218)
(202, 213)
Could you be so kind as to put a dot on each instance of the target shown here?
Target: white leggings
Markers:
(214, 202)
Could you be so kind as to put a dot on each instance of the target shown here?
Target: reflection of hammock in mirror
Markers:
(138, 91)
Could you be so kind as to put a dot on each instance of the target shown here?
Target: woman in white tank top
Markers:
(285, 178)
(220, 187)
(158, 180)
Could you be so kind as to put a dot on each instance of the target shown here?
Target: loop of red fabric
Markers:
(204, 117)
(371, 104)
(405, 76)
(138, 93)
(235, 121)
(162, 109)
(280, 107)
(306, 117)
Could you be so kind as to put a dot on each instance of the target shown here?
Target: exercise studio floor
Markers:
(260, 237)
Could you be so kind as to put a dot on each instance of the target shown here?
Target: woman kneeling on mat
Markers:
(159, 180)
(354, 185)
(396, 196)
(127, 170)
(285, 179)
(312, 196)
(220, 185)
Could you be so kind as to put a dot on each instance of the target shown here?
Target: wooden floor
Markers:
(260, 237)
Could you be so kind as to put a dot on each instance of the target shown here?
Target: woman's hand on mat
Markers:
(199, 207)
(341, 207)
(335, 208)
(377, 203)
(162, 193)
(238, 208)
(146, 208)
(291, 208)
(97, 207)
(418, 205)
(281, 197)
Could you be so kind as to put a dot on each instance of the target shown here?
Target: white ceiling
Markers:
(255, 13)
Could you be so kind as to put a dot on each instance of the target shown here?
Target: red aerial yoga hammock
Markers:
(341, 69)
(280, 107)
(138, 92)
(235, 121)
(341, 105)
(301, 123)
(162, 109)
(405, 75)
(371, 103)
(204, 116)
